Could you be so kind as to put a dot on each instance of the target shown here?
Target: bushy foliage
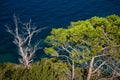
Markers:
(47, 69)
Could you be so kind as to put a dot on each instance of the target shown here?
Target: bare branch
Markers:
(99, 67)
(66, 58)
(101, 55)
(66, 49)
(23, 41)
(106, 36)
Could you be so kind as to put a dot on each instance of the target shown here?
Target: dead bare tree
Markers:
(23, 40)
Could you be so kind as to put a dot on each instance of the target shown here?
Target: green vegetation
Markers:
(47, 69)
(88, 49)
(85, 41)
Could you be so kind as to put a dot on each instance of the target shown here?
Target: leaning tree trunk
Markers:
(90, 68)
(73, 71)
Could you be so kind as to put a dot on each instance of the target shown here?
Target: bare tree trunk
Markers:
(90, 68)
(73, 71)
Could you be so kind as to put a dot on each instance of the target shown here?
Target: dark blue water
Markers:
(48, 13)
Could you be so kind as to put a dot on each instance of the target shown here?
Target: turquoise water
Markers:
(48, 13)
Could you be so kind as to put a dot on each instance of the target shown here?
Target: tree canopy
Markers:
(83, 40)
(95, 34)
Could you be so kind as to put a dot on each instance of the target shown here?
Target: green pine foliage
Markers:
(83, 40)
(91, 35)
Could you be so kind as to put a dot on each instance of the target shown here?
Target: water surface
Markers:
(48, 13)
